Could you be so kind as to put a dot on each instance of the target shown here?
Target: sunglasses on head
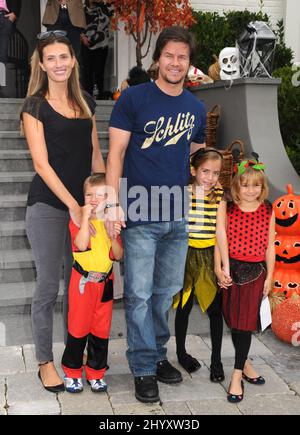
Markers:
(45, 35)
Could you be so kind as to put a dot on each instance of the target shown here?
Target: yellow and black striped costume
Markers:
(202, 219)
(199, 269)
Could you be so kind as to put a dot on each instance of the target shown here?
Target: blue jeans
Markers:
(155, 256)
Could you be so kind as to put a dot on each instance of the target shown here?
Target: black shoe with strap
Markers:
(146, 389)
(167, 373)
(53, 388)
(217, 373)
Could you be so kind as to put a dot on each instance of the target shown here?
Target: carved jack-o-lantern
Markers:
(287, 213)
(287, 252)
(287, 282)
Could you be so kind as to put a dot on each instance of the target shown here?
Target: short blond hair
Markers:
(97, 179)
(253, 175)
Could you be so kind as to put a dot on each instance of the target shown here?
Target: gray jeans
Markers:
(49, 237)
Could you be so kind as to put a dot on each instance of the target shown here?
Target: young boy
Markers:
(90, 291)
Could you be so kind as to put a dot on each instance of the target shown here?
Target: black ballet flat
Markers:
(54, 388)
(255, 381)
(236, 398)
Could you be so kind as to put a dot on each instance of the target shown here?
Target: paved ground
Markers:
(21, 392)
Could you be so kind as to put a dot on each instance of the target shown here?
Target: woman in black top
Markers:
(60, 128)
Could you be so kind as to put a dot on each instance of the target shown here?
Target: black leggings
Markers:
(242, 342)
(214, 312)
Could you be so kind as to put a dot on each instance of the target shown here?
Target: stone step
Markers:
(16, 265)
(12, 140)
(11, 121)
(20, 160)
(11, 257)
(10, 105)
(18, 295)
(13, 105)
(12, 207)
(15, 160)
(13, 235)
(15, 182)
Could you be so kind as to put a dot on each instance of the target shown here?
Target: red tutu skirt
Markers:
(241, 301)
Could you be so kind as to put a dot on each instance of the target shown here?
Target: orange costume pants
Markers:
(89, 321)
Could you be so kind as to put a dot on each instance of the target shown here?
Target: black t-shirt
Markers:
(69, 146)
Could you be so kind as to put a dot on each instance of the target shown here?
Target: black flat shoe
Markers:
(236, 398)
(189, 363)
(255, 381)
(55, 388)
(217, 373)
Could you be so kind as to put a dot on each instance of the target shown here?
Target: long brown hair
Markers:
(38, 83)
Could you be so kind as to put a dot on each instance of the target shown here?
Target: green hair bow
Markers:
(240, 168)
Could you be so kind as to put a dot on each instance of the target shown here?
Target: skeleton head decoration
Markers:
(229, 63)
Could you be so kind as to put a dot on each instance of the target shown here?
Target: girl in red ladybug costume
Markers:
(245, 236)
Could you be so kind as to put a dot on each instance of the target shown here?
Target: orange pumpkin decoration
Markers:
(276, 298)
(286, 321)
(287, 252)
(214, 69)
(287, 282)
(287, 213)
(116, 94)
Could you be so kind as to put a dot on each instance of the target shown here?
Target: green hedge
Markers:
(289, 112)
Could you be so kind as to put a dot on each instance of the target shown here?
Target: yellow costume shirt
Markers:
(96, 257)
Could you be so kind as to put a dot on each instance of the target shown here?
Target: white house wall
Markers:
(274, 8)
(292, 28)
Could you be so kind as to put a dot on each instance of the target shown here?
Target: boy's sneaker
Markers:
(97, 385)
(73, 385)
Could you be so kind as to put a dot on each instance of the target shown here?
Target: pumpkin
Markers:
(286, 210)
(286, 321)
(214, 69)
(276, 298)
(287, 282)
(116, 94)
(287, 252)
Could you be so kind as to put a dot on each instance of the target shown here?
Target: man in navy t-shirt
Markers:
(153, 129)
